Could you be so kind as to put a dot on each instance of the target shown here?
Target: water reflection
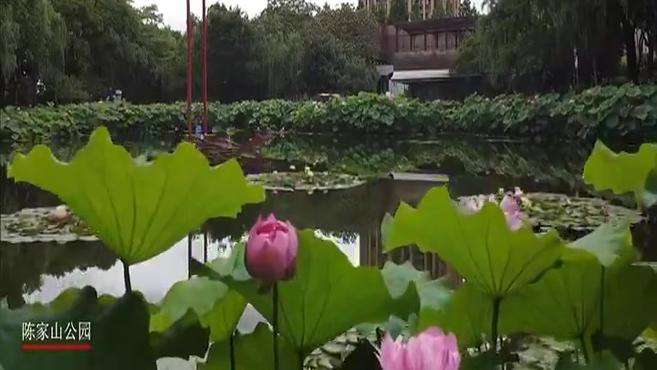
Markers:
(39, 273)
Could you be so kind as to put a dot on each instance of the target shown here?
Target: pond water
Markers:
(39, 272)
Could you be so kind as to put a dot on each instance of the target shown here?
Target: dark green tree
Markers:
(355, 29)
(398, 11)
(231, 54)
(416, 11)
(466, 9)
(329, 68)
(32, 41)
(557, 44)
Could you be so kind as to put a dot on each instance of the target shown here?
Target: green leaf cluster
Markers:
(117, 326)
(326, 297)
(603, 111)
(120, 335)
(590, 291)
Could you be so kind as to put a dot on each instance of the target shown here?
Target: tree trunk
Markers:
(630, 51)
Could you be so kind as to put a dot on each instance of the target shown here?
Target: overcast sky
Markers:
(173, 11)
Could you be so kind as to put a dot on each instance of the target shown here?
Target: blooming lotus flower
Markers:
(510, 204)
(271, 250)
(512, 211)
(430, 350)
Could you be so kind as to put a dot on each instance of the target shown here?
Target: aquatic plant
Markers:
(481, 246)
(138, 209)
(625, 172)
(271, 250)
(326, 297)
(271, 256)
(430, 350)
(590, 291)
(513, 281)
(602, 111)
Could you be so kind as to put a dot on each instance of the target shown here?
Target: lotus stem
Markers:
(602, 301)
(232, 351)
(126, 277)
(205, 246)
(586, 348)
(189, 255)
(275, 326)
(495, 323)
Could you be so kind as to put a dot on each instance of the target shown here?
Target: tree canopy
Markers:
(557, 43)
(80, 50)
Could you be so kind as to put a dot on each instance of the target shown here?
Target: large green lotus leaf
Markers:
(138, 209)
(630, 301)
(624, 172)
(481, 247)
(119, 333)
(564, 303)
(468, 314)
(185, 337)
(251, 352)
(434, 294)
(327, 296)
(215, 305)
(629, 291)
(576, 300)
(611, 243)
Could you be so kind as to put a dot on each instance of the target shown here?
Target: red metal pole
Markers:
(190, 76)
(205, 70)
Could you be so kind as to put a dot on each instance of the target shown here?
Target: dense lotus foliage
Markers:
(513, 283)
(608, 111)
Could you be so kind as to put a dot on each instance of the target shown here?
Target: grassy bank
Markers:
(608, 112)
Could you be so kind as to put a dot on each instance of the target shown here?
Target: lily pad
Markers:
(31, 225)
(572, 215)
(306, 181)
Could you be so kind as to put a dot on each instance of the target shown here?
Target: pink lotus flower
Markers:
(510, 204)
(271, 251)
(514, 216)
(430, 350)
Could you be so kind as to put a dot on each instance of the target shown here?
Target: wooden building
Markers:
(422, 56)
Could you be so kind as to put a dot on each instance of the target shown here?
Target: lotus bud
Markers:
(430, 350)
(271, 250)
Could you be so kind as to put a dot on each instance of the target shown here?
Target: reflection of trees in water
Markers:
(18, 196)
(544, 167)
(23, 265)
